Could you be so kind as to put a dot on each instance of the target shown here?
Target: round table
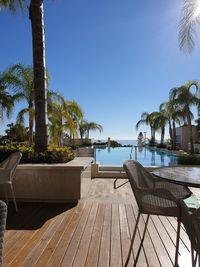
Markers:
(188, 176)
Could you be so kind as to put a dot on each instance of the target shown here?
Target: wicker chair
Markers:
(191, 222)
(3, 216)
(153, 196)
(7, 172)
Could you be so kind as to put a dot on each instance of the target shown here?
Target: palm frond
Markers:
(190, 19)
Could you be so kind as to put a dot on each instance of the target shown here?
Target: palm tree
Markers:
(40, 77)
(20, 79)
(82, 125)
(92, 126)
(12, 5)
(6, 101)
(148, 119)
(184, 98)
(190, 20)
(160, 121)
(174, 115)
(39, 66)
(64, 116)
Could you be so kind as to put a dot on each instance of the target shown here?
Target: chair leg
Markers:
(177, 242)
(132, 240)
(115, 183)
(5, 193)
(192, 256)
(142, 240)
(13, 195)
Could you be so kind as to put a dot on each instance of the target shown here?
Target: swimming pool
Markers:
(146, 156)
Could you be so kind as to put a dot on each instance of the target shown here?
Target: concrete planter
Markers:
(52, 182)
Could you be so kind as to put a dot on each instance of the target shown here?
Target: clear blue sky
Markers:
(116, 58)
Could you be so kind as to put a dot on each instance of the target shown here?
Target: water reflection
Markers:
(146, 156)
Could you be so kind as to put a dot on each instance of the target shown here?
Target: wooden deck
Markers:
(95, 232)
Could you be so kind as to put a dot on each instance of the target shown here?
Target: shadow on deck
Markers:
(94, 233)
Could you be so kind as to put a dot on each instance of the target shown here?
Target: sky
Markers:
(116, 58)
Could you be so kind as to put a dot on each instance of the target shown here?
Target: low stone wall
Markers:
(52, 182)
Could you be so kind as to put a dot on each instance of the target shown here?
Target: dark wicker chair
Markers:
(191, 222)
(7, 172)
(154, 196)
(3, 216)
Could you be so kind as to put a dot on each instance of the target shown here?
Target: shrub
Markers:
(191, 159)
(161, 146)
(152, 141)
(115, 144)
(52, 155)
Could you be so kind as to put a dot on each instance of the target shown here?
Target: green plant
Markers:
(52, 155)
(152, 141)
(191, 159)
(161, 146)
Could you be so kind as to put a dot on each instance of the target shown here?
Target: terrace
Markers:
(95, 232)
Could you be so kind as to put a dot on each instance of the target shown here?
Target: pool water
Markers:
(146, 156)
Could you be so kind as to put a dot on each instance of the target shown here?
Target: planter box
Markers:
(67, 182)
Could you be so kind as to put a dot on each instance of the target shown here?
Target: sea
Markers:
(122, 142)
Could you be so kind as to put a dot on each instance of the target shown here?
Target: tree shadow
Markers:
(32, 216)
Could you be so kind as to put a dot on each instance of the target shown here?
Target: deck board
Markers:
(94, 233)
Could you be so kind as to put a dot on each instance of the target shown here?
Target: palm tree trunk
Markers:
(174, 135)
(191, 134)
(40, 80)
(30, 131)
(170, 133)
(162, 135)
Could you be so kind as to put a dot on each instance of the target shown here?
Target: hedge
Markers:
(190, 159)
(52, 155)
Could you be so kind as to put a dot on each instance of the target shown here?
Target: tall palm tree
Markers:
(190, 20)
(174, 115)
(39, 66)
(36, 16)
(184, 98)
(160, 121)
(148, 119)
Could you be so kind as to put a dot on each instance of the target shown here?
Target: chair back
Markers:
(139, 177)
(191, 221)
(9, 165)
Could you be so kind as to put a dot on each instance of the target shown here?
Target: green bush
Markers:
(161, 146)
(191, 159)
(52, 155)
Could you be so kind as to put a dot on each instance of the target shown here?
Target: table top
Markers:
(188, 176)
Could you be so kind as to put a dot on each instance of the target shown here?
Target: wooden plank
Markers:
(22, 221)
(43, 242)
(115, 254)
(83, 247)
(33, 241)
(131, 224)
(184, 253)
(22, 239)
(93, 251)
(19, 220)
(125, 236)
(48, 251)
(156, 235)
(66, 237)
(73, 245)
(104, 255)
